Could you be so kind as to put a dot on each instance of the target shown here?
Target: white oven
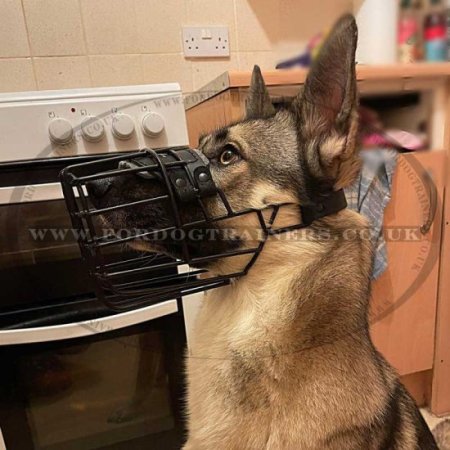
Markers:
(76, 375)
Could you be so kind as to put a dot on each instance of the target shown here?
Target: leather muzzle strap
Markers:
(332, 204)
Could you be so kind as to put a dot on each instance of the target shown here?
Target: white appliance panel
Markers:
(25, 120)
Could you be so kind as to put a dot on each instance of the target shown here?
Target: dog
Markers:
(282, 358)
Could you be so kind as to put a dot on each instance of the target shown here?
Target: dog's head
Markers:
(296, 155)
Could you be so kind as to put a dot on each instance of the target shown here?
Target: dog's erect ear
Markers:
(327, 109)
(258, 104)
(329, 96)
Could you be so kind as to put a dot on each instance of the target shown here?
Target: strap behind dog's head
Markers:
(332, 204)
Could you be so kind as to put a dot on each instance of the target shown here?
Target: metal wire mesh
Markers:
(125, 282)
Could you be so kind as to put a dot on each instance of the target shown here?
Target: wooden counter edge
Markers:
(372, 73)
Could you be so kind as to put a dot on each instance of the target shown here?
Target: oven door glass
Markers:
(43, 278)
(40, 260)
(112, 391)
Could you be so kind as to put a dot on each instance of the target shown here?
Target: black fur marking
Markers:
(363, 432)
(222, 134)
(425, 438)
(248, 388)
(392, 421)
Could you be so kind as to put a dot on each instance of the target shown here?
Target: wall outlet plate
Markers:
(206, 42)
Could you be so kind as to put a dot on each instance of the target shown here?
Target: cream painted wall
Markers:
(55, 44)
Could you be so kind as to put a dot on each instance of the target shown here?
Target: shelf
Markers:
(398, 76)
(363, 73)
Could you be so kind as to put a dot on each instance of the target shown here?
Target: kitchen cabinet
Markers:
(404, 297)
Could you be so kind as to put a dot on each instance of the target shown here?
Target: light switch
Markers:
(206, 33)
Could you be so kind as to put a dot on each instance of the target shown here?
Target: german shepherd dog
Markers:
(282, 357)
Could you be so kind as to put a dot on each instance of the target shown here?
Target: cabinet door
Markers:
(403, 308)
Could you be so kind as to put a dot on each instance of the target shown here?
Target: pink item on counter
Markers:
(407, 140)
(393, 139)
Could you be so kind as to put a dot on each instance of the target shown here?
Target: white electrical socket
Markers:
(206, 42)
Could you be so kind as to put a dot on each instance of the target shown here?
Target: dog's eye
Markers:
(229, 155)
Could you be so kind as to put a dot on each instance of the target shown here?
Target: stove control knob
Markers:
(152, 124)
(92, 129)
(122, 126)
(60, 131)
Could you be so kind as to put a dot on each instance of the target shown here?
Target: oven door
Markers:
(112, 383)
(75, 375)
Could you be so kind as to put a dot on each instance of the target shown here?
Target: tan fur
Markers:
(266, 372)
(253, 365)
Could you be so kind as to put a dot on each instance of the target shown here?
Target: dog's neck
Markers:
(312, 286)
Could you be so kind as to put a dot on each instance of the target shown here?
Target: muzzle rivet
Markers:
(180, 182)
(203, 176)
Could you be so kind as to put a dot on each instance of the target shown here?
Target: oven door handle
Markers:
(87, 327)
(31, 193)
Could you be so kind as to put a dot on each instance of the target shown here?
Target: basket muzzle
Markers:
(152, 224)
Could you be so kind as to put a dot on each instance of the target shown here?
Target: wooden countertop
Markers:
(363, 72)
(241, 79)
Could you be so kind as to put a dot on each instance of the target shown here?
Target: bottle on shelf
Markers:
(435, 33)
(448, 30)
(408, 32)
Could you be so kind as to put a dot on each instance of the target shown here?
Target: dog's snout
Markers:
(98, 188)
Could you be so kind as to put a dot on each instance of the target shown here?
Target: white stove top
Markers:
(47, 124)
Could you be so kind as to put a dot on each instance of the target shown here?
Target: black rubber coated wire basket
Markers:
(126, 279)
